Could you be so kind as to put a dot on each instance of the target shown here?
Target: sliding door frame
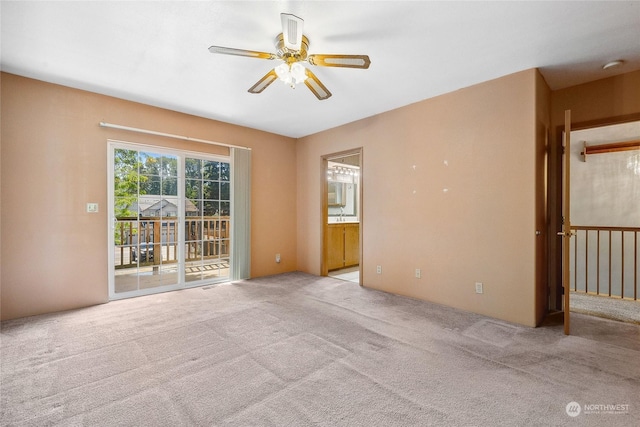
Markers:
(181, 155)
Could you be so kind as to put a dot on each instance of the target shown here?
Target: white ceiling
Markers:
(156, 52)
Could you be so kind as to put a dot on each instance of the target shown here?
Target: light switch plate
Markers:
(92, 207)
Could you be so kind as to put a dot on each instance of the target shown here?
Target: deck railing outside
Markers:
(154, 240)
(605, 261)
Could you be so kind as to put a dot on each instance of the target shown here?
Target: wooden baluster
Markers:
(598, 264)
(157, 247)
(622, 266)
(609, 262)
(635, 266)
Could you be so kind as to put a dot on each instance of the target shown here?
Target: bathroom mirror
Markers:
(343, 176)
(336, 194)
(342, 199)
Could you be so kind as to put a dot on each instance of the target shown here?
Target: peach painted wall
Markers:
(599, 101)
(54, 161)
(449, 187)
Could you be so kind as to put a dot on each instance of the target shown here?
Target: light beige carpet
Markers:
(607, 307)
(298, 350)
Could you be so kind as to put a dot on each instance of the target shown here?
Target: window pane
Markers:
(149, 184)
(145, 232)
(193, 230)
(125, 232)
(211, 208)
(125, 257)
(223, 229)
(211, 190)
(193, 168)
(169, 186)
(168, 274)
(193, 208)
(225, 248)
(225, 192)
(210, 169)
(210, 269)
(193, 189)
(126, 280)
(192, 251)
(168, 166)
(125, 161)
(225, 172)
(193, 271)
(225, 208)
(125, 173)
(150, 164)
(169, 210)
(125, 207)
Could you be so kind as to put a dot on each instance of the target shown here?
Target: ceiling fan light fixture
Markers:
(613, 64)
(291, 48)
(298, 72)
(291, 74)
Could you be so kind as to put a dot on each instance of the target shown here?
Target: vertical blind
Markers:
(241, 208)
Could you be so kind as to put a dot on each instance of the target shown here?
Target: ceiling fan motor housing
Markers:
(289, 55)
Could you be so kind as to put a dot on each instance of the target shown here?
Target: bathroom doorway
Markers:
(342, 215)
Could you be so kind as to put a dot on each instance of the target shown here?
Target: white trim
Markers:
(111, 220)
(169, 135)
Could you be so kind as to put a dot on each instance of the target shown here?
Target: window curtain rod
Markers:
(168, 135)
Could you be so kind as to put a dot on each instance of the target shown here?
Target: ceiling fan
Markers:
(291, 48)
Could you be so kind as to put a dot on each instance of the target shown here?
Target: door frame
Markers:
(555, 204)
(566, 223)
(324, 208)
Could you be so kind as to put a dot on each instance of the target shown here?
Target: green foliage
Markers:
(126, 181)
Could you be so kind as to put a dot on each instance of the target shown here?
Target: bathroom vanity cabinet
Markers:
(343, 244)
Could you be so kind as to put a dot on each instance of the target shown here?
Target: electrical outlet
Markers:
(278, 258)
(379, 269)
(418, 273)
(479, 288)
(92, 207)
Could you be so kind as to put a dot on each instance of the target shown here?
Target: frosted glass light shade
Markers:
(291, 74)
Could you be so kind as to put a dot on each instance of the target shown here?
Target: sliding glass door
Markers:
(170, 219)
(207, 219)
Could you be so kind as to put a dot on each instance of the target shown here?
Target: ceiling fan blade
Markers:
(292, 31)
(265, 81)
(316, 86)
(241, 52)
(348, 61)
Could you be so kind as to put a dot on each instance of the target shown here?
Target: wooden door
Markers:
(335, 246)
(351, 244)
